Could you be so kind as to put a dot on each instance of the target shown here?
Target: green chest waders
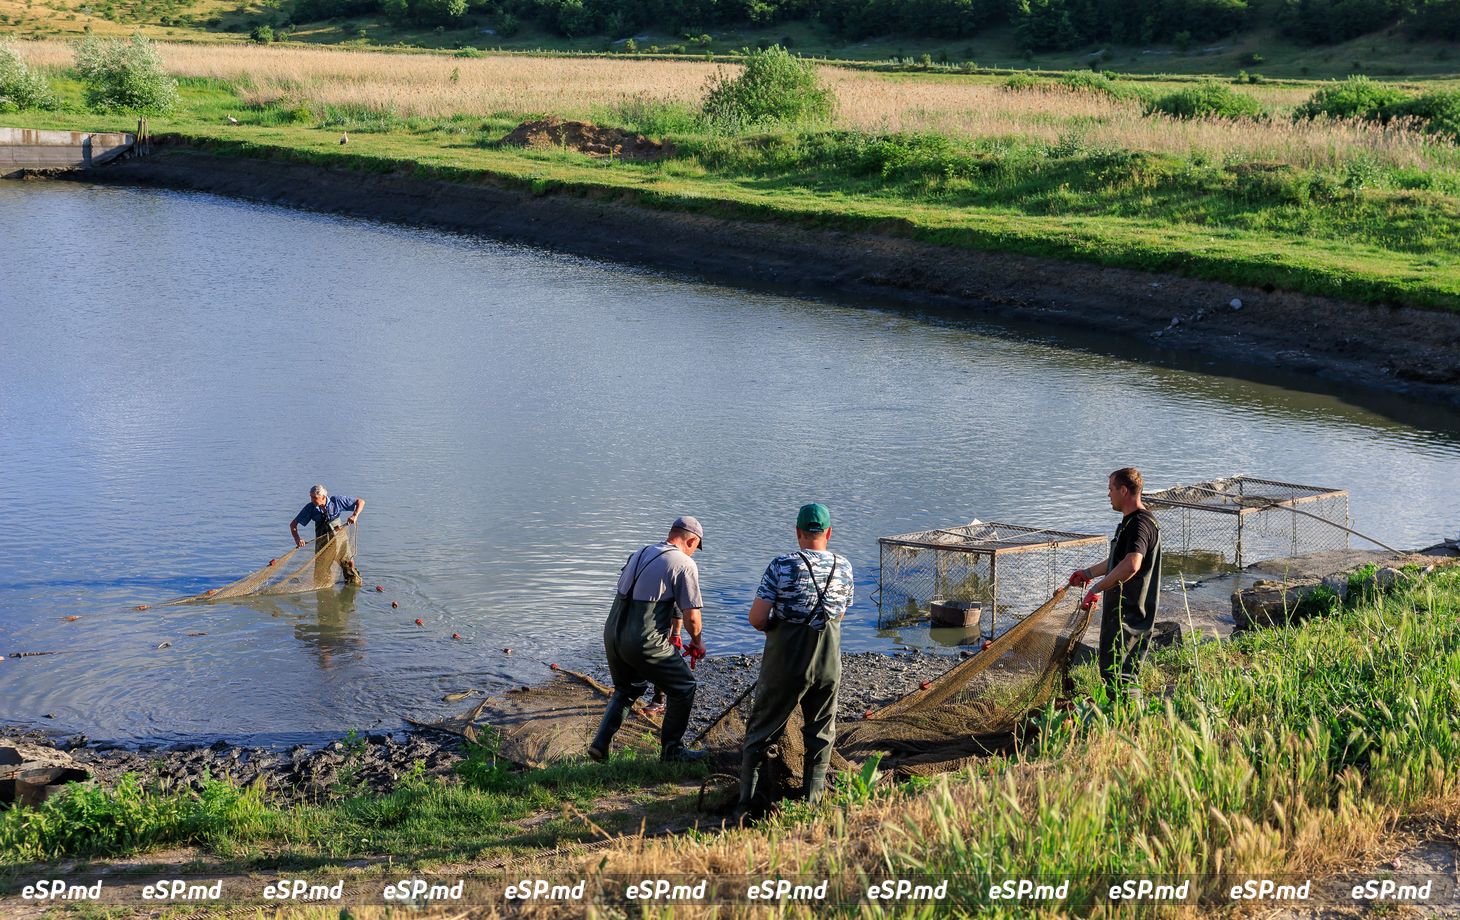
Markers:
(802, 666)
(635, 641)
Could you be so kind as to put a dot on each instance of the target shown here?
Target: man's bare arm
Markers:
(1122, 573)
(760, 614)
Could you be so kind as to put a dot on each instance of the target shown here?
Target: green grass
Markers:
(422, 819)
(1365, 232)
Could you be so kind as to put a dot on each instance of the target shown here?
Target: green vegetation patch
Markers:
(478, 811)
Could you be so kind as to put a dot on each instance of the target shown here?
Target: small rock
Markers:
(1175, 321)
(1235, 304)
(1387, 578)
(165, 645)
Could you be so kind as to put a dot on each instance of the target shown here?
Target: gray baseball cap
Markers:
(689, 524)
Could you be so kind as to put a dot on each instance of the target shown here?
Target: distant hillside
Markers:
(1275, 38)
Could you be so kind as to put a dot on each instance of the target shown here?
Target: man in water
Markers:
(799, 606)
(324, 511)
(1128, 583)
(659, 584)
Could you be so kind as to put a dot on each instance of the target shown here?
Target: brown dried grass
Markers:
(437, 86)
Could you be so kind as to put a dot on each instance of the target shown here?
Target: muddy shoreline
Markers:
(376, 762)
(1315, 343)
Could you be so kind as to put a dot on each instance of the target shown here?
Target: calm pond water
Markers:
(176, 370)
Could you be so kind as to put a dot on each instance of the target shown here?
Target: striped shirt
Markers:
(787, 584)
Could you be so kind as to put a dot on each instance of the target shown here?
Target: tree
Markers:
(1044, 25)
(125, 75)
(21, 87)
(440, 12)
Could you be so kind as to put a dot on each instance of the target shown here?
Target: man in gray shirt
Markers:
(659, 584)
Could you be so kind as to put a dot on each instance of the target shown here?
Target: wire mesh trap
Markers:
(1004, 569)
(1240, 520)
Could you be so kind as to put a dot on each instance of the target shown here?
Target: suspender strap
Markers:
(641, 566)
(820, 591)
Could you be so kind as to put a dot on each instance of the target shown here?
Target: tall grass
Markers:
(438, 86)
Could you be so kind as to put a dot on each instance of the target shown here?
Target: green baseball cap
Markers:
(813, 518)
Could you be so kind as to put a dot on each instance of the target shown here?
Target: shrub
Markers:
(1089, 82)
(1356, 97)
(775, 87)
(1206, 100)
(1022, 81)
(262, 34)
(1439, 110)
(125, 75)
(21, 87)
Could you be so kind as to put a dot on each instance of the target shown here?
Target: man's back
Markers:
(808, 586)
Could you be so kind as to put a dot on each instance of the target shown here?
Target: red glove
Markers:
(676, 641)
(695, 653)
(1091, 599)
(1079, 577)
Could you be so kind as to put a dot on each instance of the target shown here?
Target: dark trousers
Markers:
(1122, 649)
(639, 655)
(801, 667)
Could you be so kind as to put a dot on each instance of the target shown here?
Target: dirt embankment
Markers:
(1146, 316)
(554, 133)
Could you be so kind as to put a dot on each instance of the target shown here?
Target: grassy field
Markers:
(1349, 209)
(1308, 749)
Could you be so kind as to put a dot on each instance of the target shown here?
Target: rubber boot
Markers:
(613, 717)
(814, 776)
(352, 574)
(751, 778)
(676, 722)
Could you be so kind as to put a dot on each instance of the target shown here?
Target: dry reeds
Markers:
(521, 86)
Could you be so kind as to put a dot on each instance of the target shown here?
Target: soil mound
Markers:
(595, 141)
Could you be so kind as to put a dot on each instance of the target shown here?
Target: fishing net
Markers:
(972, 710)
(785, 760)
(977, 707)
(538, 726)
(310, 567)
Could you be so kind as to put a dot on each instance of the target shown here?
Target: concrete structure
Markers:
(27, 148)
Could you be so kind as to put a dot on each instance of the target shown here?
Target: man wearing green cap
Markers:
(799, 606)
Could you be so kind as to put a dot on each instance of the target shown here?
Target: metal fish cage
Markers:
(1240, 520)
(1006, 568)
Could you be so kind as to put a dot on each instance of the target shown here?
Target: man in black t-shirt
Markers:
(1128, 582)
